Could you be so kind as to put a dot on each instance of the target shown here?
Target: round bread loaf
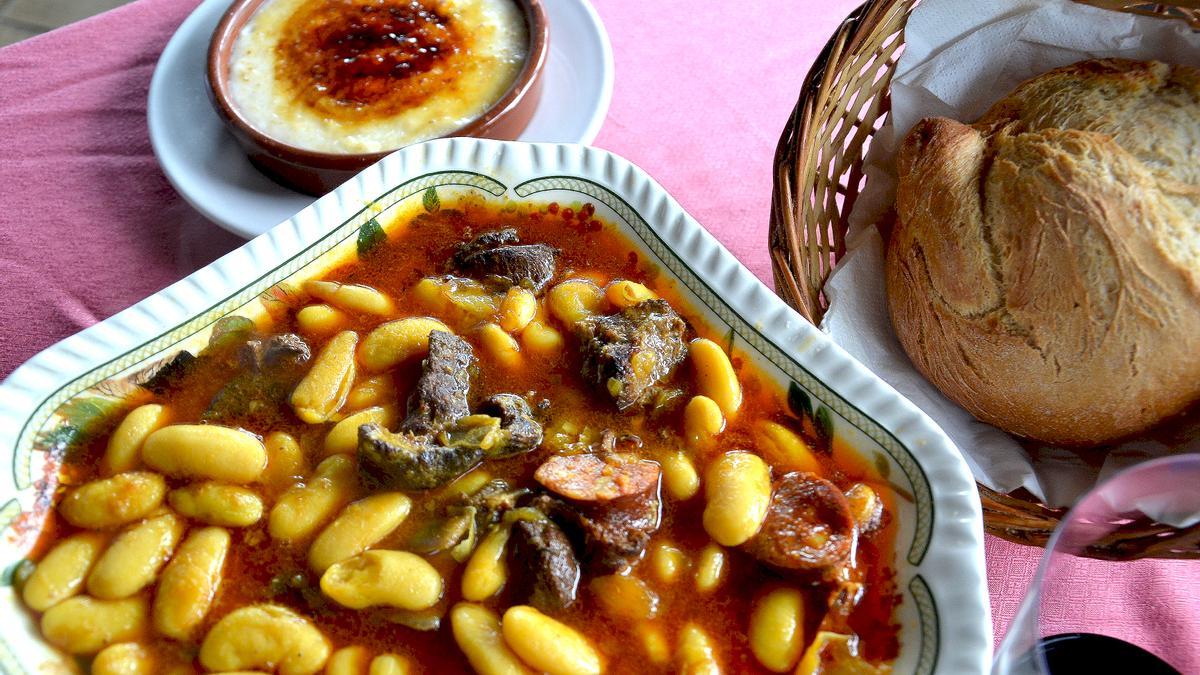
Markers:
(1044, 268)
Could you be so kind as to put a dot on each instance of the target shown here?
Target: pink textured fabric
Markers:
(1151, 603)
(89, 225)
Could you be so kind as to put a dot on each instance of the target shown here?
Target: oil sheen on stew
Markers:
(536, 421)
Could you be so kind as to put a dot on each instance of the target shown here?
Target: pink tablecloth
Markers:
(89, 225)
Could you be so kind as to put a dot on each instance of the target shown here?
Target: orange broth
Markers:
(588, 247)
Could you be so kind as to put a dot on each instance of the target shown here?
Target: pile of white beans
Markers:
(148, 560)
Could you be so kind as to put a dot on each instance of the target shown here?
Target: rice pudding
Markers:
(361, 76)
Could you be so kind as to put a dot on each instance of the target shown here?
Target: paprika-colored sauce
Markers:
(260, 569)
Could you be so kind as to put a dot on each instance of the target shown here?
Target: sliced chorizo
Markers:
(588, 478)
(611, 506)
(808, 526)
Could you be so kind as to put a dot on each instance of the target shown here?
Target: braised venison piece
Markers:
(405, 461)
(440, 397)
(270, 368)
(808, 525)
(284, 350)
(500, 255)
(465, 519)
(547, 570)
(611, 506)
(627, 353)
(519, 432)
(163, 378)
(440, 440)
(493, 500)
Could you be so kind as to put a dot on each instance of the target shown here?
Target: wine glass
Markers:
(1165, 490)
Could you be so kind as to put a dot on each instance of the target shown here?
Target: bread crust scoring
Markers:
(1044, 270)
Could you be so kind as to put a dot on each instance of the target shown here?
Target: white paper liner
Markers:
(960, 57)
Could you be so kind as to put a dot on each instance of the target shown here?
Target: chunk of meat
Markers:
(493, 500)
(499, 255)
(440, 397)
(519, 431)
(513, 433)
(808, 526)
(271, 367)
(284, 350)
(166, 375)
(610, 506)
(505, 237)
(454, 530)
(588, 478)
(547, 570)
(627, 353)
(403, 461)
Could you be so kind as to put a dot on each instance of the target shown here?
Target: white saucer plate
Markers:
(208, 169)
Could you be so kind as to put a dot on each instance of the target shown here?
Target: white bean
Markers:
(63, 571)
(549, 645)
(124, 658)
(359, 526)
(215, 503)
(388, 578)
(318, 397)
(486, 570)
(85, 625)
(301, 510)
(265, 636)
(738, 490)
(134, 557)
(206, 451)
(715, 376)
(477, 631)
(777, 629)
(190, 582)
(397, 341)
(115, 501)
(125, 445)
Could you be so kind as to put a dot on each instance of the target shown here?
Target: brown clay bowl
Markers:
(317, 173)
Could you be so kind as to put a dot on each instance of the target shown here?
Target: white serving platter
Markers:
(944, 617)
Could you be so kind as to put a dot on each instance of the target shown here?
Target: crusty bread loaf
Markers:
(1044, 269)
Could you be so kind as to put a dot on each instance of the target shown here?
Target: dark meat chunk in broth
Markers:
(519, 431)
(286, 350)
(548, 572)
(505, 428)
(611, 505)
(164, 376)
(493, 500)
(627, 353)
(465, 519)
(808, 526)
(271, 367)
(403, 461)
(499, 255)
(440, 439)
(441, 394)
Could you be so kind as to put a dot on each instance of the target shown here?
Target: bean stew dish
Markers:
(499, 441)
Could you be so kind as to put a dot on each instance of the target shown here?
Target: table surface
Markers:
(89, 224)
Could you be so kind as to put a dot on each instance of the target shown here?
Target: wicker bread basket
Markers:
(818, 177)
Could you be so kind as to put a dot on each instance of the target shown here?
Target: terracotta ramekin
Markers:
(317, 173)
